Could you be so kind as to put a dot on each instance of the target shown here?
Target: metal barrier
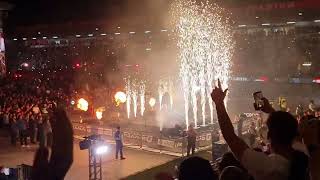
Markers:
(143, 139)
(156, 140)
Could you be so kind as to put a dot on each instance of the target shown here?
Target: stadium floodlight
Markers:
(307, 64)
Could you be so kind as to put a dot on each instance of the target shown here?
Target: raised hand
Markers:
(218, 94)
(61, 152)
(267, 108)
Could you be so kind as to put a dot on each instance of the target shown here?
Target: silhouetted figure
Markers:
(119, 144)
(195, 168)
(191, 138)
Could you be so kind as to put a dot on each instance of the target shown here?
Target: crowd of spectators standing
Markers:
(25, 106)
(290, 152)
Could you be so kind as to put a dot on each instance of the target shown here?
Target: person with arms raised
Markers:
(284, 162)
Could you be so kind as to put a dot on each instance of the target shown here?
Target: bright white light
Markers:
(147, 32)
(44, 37)
(132, 32)
(148, 49)
(99, 114)
(15, 39)
(120, 97)
(83, 104)
(55, 37)
(90, 35)
(257, 17)
(118, 27)
(291, 22)
(265, 24)
(24, 39)
(25, 64)
(103, 34)
(72, 102)
(34, 38)
(152, 102)
(101, 149)
(78, 35)
(117, 33)
(316, 81)
(307, 64)
(259, 80)
(164, 30)
(242, 25)
(317, 20)
(300, 13)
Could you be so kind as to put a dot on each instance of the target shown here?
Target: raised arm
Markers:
(62, 147)
(62, 150)
(236, 144)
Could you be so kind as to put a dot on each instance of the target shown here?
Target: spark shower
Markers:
(204, 40)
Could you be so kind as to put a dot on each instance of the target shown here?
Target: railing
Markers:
(144, 140)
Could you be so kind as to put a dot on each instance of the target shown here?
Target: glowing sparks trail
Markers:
(205, 45)
(128, 93)
(135, 101)
(134, 90)
(142, 97)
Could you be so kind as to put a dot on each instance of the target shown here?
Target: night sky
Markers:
(28, 12)
(34, 12)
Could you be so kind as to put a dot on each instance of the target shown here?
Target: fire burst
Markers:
(205, 49)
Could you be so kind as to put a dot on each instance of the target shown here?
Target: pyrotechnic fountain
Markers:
(135, 101)
(134, 90)
(205, 45)
(128, 93)
(142, 97)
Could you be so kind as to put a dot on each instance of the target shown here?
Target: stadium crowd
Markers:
(291, 152)
(25, 106)
(288, 147)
